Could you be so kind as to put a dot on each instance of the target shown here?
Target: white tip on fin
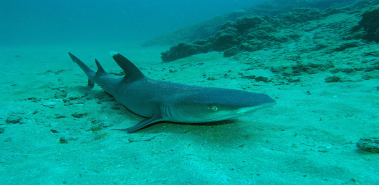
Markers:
(113, 53)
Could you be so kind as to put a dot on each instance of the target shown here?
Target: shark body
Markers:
(165, 101)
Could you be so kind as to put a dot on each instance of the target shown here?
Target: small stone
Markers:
(369, 144)
(13, 119)
(58, 116)
(61, 94)
(49, 104)
(62, 140)
(95, 128)
(76, 115)
(331, 79)
(262, 79)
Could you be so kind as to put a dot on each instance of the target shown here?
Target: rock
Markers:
(62, 140)
(198, 31)
(369, 144)
(231, 52)
(61, 94)
(13, 119)
(370, 24)
(49, 104)
(251, 33)
(34, 99)
(249, 47)
(244, 23)
(299, 15)
(256, 78)
(346, 45)
(262, 79)
(95, 128)
(259, 34)
(345, 70)
(225, 39)
(181, 51)
(59, 116)
(269, 8)
(331, 79)
(77, 115)
(301, 67)
(231, 35)
(201, 42)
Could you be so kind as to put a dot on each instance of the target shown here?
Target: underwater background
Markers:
(43, 21)
(318, 59)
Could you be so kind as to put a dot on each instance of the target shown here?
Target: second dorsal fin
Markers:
(100, 69)
(131, 71)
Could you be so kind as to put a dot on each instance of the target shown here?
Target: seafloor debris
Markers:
(369, 144)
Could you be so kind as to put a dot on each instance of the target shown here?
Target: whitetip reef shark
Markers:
(173, 102)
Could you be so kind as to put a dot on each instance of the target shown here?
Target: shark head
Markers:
(215, 104)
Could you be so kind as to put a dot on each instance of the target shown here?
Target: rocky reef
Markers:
(211, 27)
(249, 33)
(246, 33)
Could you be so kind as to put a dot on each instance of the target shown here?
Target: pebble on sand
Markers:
(13, 119)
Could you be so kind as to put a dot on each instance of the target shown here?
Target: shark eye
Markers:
(212, 107)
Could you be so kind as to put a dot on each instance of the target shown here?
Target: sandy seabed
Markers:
(64, 136)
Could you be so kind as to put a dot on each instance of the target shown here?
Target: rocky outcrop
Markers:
(231, 52)
(332, 30)
(183, 50)
(299, 15)
(245, 33)
(195, 32)
(370, 23)
(269, 8)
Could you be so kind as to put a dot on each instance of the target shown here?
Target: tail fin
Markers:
(131, 71)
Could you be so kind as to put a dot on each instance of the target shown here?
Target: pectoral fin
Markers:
(141, 124)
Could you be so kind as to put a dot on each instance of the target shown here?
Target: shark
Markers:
(162, 101)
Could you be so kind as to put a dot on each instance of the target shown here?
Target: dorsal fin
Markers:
(131, 71)
(100, 69)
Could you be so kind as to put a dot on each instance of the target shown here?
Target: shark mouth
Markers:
(255, 108)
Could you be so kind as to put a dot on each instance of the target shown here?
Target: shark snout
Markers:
(255, 108)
